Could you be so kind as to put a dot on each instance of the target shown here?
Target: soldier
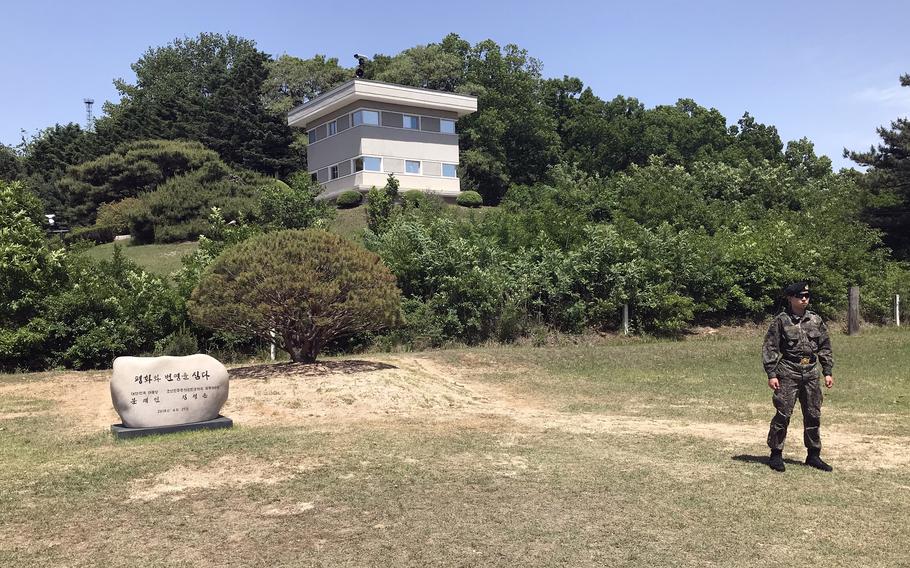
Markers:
(797, 339)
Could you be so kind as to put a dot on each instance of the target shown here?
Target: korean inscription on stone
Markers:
(165, 391)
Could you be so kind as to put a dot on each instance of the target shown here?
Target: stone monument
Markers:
(157, 395)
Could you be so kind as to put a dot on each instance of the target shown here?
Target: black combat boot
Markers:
(813, 460)
(776, 461)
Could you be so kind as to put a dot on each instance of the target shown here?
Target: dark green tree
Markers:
(10, 164)
(207, 89)
(47, 155)
(129, 171)
(888, 182)
(754, 142)
(512, 138)
(305, 287)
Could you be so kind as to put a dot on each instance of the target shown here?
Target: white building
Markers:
(361, 131)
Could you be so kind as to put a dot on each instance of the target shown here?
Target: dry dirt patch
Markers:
(345, 392)
(227, 471)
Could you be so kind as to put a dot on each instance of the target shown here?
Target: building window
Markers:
(311, 136)
(366, 117)
(448, 170)
(333, 128)
(447, 126)
(314, 177)
(412, 166)
(334, 172)
(368, 163)
(411, 122)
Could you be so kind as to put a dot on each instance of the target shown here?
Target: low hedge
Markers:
(99, 234)
(469, 199)
(348, 199)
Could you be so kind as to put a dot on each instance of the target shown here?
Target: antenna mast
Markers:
(89, 119)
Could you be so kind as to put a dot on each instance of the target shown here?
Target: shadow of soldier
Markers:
(763, 459)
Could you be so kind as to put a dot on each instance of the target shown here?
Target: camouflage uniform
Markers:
(792, 346)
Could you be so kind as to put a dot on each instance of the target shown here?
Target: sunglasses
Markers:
(803, 295)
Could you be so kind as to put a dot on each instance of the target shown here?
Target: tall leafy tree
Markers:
(754, 142)
(10, 165)
(888, 179)
(293, 81)
(512, 138)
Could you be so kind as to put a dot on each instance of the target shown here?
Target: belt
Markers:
(801, 360)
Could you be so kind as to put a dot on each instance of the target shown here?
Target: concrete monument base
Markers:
(122, 432)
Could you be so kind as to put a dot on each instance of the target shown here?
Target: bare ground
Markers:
(342, 393)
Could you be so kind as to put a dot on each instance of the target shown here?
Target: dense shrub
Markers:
(177, 210)
(117, 214)
(101, 311)
(129, 171)
(292, 205)
(349, 199)
(570, 254)
(469, 199)
(381, 205)
(181, 342)
(30, 270)
(307, 287)
(99, 234)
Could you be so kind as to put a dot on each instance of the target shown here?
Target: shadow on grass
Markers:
(318, 369)
(762, 459)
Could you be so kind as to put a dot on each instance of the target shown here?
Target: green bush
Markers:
(469, 199)
(413, 199)
(102, 311)
(292, 205)
(308, 287)
(178, 344)
(177, 210)
(349, 199)
(381, 205)
(117, 214)
(30, 270)
(129, 171)
(99, 234)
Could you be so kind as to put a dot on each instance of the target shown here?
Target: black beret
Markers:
(796, 288)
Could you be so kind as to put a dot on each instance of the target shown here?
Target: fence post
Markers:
(853, 311)
(897, 309)
(625, 319)
(272, 346)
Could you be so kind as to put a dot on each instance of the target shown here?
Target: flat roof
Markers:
(363, 90)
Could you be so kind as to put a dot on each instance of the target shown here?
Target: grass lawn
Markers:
(157, 259)
(351, 222)
(615, 453)
(165, 259)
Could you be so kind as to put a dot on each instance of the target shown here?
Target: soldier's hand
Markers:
(829, 381)
(773, 383)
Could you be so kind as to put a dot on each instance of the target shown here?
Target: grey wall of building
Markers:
(329, 151)
(382, 107)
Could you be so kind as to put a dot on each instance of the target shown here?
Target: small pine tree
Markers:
(308, 287)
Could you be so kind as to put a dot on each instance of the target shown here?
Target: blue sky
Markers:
(825, 70)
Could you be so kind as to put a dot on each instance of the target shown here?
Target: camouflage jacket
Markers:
(791, 338)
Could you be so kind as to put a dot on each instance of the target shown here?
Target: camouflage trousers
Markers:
(803, 384)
